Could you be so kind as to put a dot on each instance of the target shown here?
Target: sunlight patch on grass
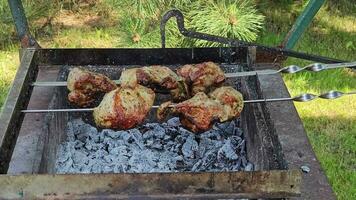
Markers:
(89, 38)
(333, 140)
(8, 65)
(345, 23)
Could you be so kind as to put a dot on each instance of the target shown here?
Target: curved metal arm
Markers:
(233, 42)
(203, 36)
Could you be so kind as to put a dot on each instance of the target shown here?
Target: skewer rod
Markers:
(316, 67)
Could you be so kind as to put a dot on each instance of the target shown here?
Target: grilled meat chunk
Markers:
(202, 77)
(84, 86)
(199, 113)
(128, 78)
(158, 78)
(231, 99)
(124, 107)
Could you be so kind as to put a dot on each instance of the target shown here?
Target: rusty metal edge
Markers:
(206, 185)
(17, 99)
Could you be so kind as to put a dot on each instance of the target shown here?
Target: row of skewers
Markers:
(197, 94)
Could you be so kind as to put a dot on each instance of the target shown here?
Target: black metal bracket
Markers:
(278, 52)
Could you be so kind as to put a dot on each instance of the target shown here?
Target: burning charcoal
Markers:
(109, 158)
(108, 169)
(89, 146)
(226, 128)
(114, 134)
(82, 137)
(100, 153)
(227, 151)
(142, 161)
(207, 144)
(236, 165)
(110, 143)
(85, 169)
(64, 153)
(118, 169)
(167, 161)
(118, 150)
(174, 122)
(79, 157)
(238, 131)
(65, 166)
(167, 138)
(185, 133)
(99, 137)
(96, 168)
(211, 134)
(170, 146)
(189, 148)
(171, 131)
(97, 146)
(240, 146)
(85, 130)
(155, 130)
(136, 134)
(243, 161)
(156, 145)
(78, 144)
(179, 139)
(249, 167)
(205, 163)
(236, 141)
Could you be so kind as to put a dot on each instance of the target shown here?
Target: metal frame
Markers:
(17, 99)
(302, 23)
(257, 184)
(224, 185)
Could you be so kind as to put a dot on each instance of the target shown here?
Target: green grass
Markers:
(330, 125)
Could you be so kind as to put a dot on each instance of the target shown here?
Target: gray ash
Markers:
(153, 147)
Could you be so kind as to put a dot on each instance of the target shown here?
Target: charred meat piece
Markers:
(84, 86)
(128, 78)
(202, 77)
(199, 113)
(159, 78)
(124, 107)
(231, 99)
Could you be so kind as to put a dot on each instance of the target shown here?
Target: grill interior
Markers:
(251, 120)
(30, 142)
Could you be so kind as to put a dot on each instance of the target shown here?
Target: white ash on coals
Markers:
(153, 147)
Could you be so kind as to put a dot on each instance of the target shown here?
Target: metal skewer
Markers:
(291, 69)
(300, 98)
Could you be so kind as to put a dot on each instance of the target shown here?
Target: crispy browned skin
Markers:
(199, 113)
(84, 86)
(158, 78)
(124, 107)
(202, 77)
(231, 99)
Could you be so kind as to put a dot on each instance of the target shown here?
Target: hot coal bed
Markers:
(150, 147)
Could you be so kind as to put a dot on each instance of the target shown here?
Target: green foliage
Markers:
(229, 18)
